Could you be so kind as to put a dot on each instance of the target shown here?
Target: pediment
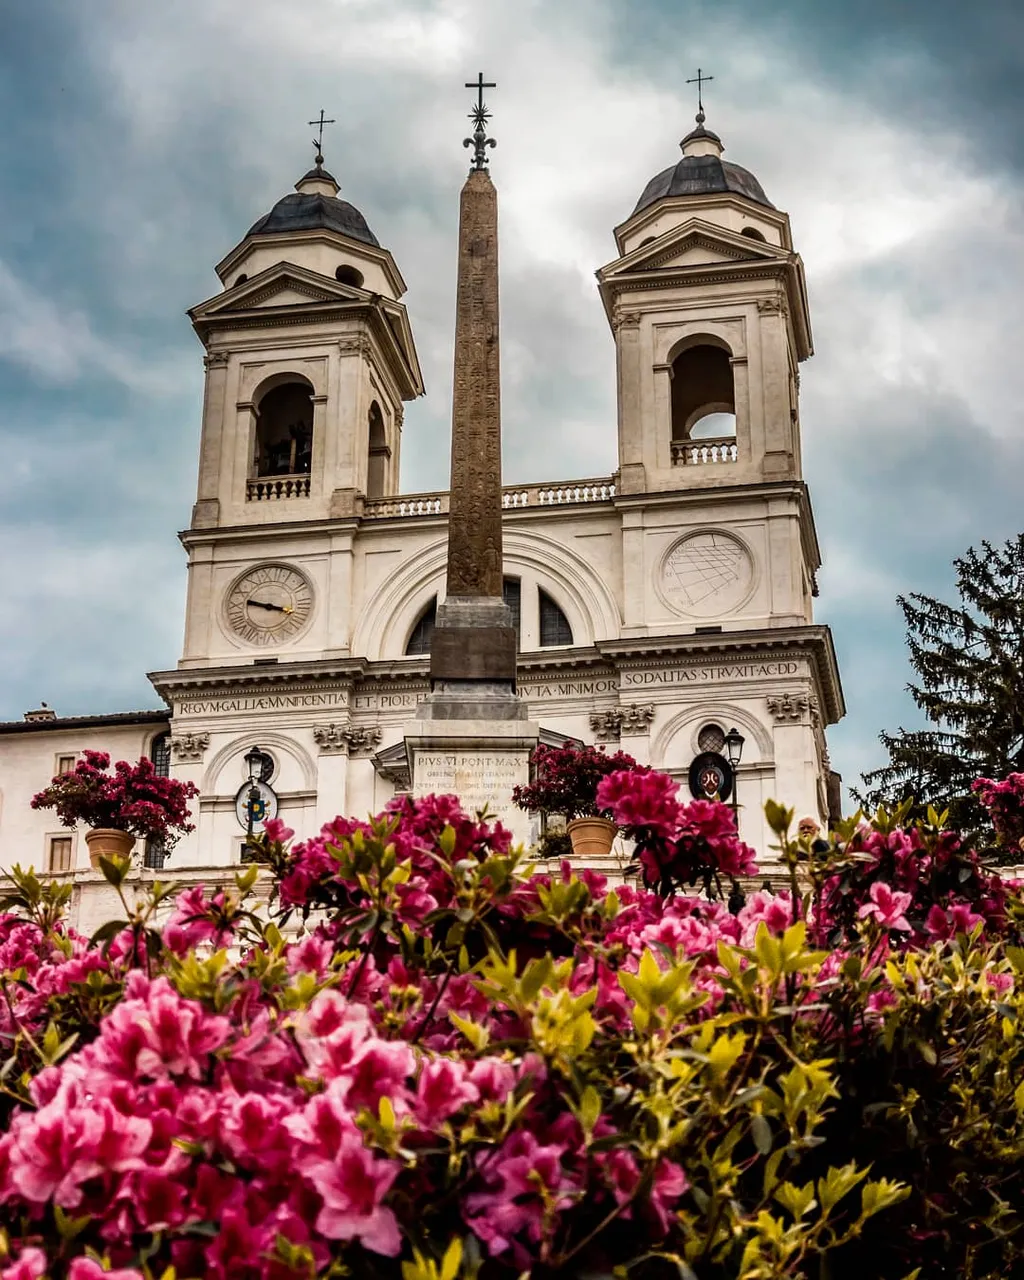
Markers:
(695, 243)
(284, 285)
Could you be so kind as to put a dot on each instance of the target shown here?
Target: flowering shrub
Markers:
(1005, 802)
(677, 845)
(456, 1069)
(134, 798)
(566, 780)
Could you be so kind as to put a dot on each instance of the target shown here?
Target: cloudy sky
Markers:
(141, 140)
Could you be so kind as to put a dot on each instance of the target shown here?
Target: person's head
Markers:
(808, 827)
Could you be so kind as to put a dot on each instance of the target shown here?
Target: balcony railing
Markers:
(271, 488)
(692, 452)
(513, 497)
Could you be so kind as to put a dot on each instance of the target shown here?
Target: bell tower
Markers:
(708, 304)
(309, 361)
(309, 358)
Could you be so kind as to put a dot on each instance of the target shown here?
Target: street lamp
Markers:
(733, 744)
(254, 763)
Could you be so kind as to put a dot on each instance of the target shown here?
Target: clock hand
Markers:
(276, 608)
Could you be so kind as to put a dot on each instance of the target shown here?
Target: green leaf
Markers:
(798, 1200)
(761, 1132)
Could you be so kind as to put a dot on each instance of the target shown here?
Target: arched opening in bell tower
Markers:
(377, 468)
(284, 429)
(703, 393)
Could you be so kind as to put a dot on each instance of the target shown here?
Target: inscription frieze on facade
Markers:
(712, 673)
(248, 703)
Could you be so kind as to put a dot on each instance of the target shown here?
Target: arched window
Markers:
(155, 855)
(349, 275)
(419, 639)
(284, 431)
(160, 754)
(753, 234)
(554, 625)
(703, 398)
(380, 454)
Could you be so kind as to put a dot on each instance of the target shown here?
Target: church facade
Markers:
(656, 609)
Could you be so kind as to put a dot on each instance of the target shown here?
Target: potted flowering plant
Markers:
(565, 781)
(133, 802)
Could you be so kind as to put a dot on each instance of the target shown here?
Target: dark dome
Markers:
(307, 211)
(702, 176)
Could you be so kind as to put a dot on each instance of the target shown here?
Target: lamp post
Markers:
(733, 744)
(254, 763)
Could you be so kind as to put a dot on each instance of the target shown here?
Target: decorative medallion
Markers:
(710, 776)
(706, 574)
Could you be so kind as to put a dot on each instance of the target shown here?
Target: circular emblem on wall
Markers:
(710, 775)
(706, 574)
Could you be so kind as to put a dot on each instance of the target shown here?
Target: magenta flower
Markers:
(352, 1185)
(887, 907)
(31, 1264)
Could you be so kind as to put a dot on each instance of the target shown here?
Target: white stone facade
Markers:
(686, 579)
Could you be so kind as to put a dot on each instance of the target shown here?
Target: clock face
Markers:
(269, 604)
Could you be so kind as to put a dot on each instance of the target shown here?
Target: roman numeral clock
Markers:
(269, 604)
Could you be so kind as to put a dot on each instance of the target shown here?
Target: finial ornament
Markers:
(318, 141)
(480, 115)
(700, 80)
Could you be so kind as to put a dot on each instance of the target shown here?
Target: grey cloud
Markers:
(180, 124)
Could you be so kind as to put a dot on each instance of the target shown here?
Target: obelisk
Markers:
(472, 736)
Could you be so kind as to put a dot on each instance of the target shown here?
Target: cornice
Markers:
(606, 656)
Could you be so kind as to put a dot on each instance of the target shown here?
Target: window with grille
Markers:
(154, 854)
(160, 754)
(59, 853)
(66, 764)
(419, 640)
(711, 738)
(512, 594)
(554, 625)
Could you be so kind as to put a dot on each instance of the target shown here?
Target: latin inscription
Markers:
(480, 779)
(268, 702)
(711, 675)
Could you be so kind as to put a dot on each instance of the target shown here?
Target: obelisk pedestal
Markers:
(472, 737)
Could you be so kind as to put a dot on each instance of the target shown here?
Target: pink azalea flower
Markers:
(670, 1183)
(353, 1185)
(87, 1269)
(887, 907)
(30, 1265)
(442, 1089)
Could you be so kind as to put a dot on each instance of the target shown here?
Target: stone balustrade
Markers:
(271, 488)
(691, 452)
(513, 498)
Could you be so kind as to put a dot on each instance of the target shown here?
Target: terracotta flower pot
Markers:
(103, 842)
(591, 837)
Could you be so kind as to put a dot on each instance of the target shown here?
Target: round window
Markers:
(711, 738)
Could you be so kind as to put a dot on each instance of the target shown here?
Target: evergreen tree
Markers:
(969, 660)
